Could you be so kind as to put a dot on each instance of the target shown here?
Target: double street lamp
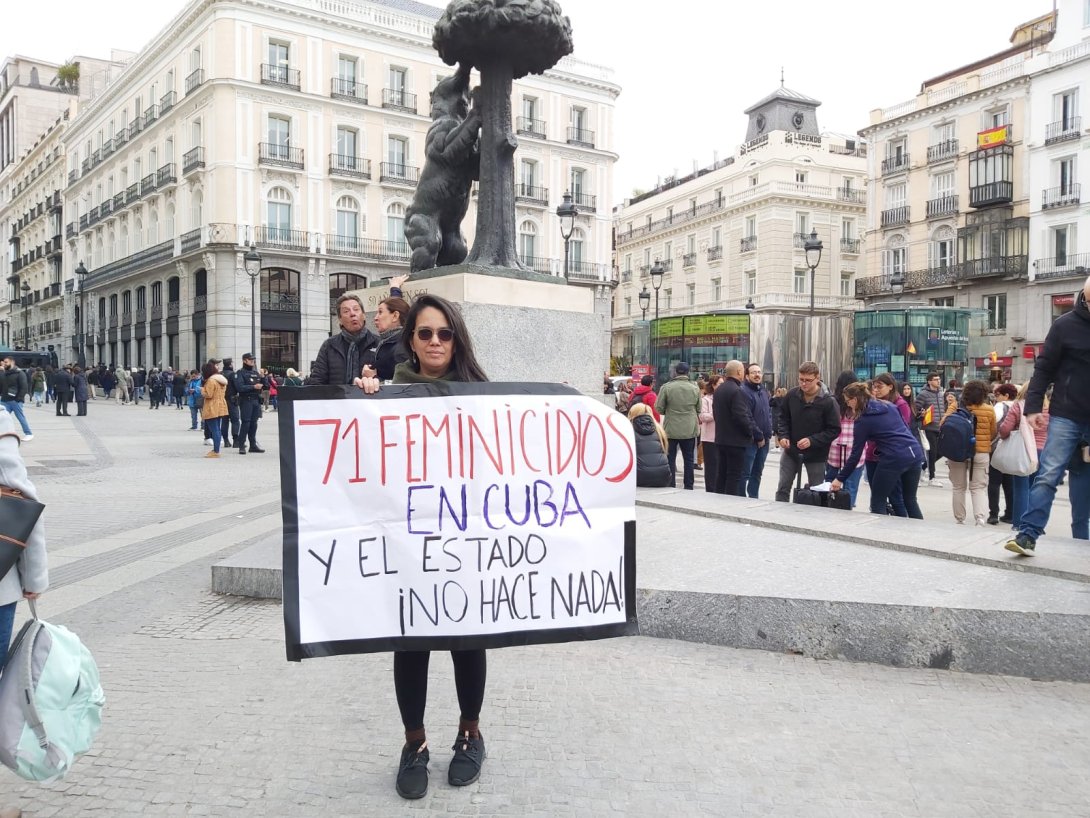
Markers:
(26, 315)
(566, 212)
(252, 263)
(813, 248)
(81, 356)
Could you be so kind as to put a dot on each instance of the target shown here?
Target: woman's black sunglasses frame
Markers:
(425, 334)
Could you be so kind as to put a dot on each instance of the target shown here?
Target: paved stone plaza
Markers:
(205, 717)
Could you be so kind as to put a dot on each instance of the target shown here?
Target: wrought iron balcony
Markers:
(282, 238)
(70, 230)
(132, 193)
(688, 260)
(896, 163)
(1065, 266)
(200, 303)
(1014, 266)
(667, 265)
(73, 175)
(189, 240)
(942, 151)
(165, 175)
(95, 214)
(1063, 130)
(538, 264)
(192, 159)
(355, 167)
(532, 194)
(851, 194)
(280, 302)
(895, 216)
(156, 312)
(166, 102)
(849, 246)
(121, 137)
(526, 126)
(119, 201)
(1063, 196)
(151, 114)
(581, 137)
(194, 81)
(715, 253)
(397, 173)
(106, 208)
(991, 193)
(585, 202)
(283, 156)
(800, 240)
(84, 222)
(108, 148)
(147, 184)
(346, 89)
(398, 100)
(748, 244)
(136, 126)
(942, 206)
(174, 309)
(586, 271)
(279, 75)
(378, 249)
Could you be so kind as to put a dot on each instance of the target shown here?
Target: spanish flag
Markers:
(929, 416)
(911, 348)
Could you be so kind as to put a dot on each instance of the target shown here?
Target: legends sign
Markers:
(454, 516)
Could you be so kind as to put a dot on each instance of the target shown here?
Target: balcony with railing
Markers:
(942, 206)
(194, 81)
(538, 264)
(106, 208)
(587, 271)
(1064, 130)
(282, 238)
(531, 194)
(851, 194)
(399, 174)
(1066, 266)
(139, 261)
(174, 309)
(895, 163)
(715, 253)
(94, 215)
(688, 260)
(849, 246)
(748, 244)
(1007, 266)
(132, 193)
(667, 265)
(200, 303)
(147, 184)
(398, 100)
(942, 151)
(189, 241)
(799, 240)
(378, 249)
(136, 126)
(282, 156)
(895, 216)
(581, 137)
(165, 175)
(280, 75)
(73, 175)
(151, 113)
(156, 312)
(121, 137)
(534, 128)
(1067, 195)
(355, 167)
(280, 302)
(118, 201)
(166, 102)
(192, 159)
(585, 202)
(70, 230)
(626, 276)
(991, 193)
(349, 90)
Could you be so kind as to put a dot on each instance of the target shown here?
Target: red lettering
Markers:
(354, 426)
(409, 443)
(562, 464)
(624, 435)
(383, 444)
(522, 439)
(336, 424)
(583, 445)
(442, 428)
(496, 457)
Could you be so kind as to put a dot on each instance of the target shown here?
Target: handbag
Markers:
(1017, 455)
(18, 516)
(924, 441)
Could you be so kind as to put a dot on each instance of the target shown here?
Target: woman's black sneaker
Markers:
(412, 775)
(1022, 544)
(465, 767)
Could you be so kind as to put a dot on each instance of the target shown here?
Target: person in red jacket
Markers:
(645, 394)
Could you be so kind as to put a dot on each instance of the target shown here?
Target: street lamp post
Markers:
(645, 301)
(813, 258)
(81, 356)
(566, 212)
(26, 315)
(897, 284)
(657, 272)
(252, 262)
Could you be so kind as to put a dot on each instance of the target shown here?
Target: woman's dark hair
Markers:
(1007, 390)
(398, 305)
(910, 398)
(208, 370)
(712, 382)
(974, 393)
(887, 380)
(463, 362)
(842, 380)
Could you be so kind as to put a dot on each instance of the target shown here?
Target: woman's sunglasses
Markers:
(446, 334)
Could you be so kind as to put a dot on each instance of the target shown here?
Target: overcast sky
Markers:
(687, 76)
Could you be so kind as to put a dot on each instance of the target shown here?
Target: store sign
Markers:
(1031, 351)
(1063, 300)
(999, 362)
(993, 136)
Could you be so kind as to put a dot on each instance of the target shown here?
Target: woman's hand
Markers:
(836, 485)
(30, 595)
(369, 385)
(397, 281)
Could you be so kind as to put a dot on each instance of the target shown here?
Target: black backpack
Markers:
(957, 437)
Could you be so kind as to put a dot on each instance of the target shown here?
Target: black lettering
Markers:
(433, 615)
(425, 567)
(447, 602)
(450, 553)
(364, 557)
(328, 565)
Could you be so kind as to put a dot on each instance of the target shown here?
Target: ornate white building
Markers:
(732, 235)
(298, 126)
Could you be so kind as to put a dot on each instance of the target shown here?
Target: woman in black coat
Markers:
(390, 351)
(652, 468)
(177, 386)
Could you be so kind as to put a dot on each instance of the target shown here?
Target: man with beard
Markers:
(249, 383)
(343, 356)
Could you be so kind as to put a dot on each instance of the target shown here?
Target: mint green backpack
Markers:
(50, 701)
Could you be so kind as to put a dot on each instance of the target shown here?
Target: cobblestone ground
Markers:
(205, 717)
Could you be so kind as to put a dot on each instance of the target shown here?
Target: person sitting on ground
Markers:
(652, 467)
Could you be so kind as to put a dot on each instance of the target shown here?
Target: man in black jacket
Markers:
(806, 426)
(249, 383)
(13, 389)
(1064, 365)
(342, 357)
(64, 387)
(231, 428)
(734, 429)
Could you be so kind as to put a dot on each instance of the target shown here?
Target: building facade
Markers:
(732, 235)
(298, 128)
(975, 191)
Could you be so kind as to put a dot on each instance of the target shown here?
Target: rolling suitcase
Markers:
(806, 496)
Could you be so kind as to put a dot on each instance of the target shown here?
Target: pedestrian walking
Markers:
(930, 405)
(37, 386)
(13, 392)
(440, 349)
(1063, 363)
(809, 422)
(1020, 484)
(214, 408)
(753, 463)
(80, 388)
(734, 429)
(678, 403)
(1004, 393)
(707, 432)
(972, 474)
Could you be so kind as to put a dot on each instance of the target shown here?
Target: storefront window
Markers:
(705, 342)
(910, 343)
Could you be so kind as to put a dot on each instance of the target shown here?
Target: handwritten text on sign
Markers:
(460, 516)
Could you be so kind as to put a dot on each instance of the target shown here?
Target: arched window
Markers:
(170, 223)
(895, 257)
(279, 214)
(153, 227)
(940, 250)
(138, 234)
(123, 250)
(395, 226)
(348, 223)
(196, 209)
(528, 243)
(341, 283)
(280, 289)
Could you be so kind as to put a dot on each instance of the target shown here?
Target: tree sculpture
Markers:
(504, 40)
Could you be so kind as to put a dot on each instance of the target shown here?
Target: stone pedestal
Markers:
(525, 326)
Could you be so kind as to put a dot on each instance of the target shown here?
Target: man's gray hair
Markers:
(349, 297)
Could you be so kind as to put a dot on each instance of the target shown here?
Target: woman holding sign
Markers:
(439, 349)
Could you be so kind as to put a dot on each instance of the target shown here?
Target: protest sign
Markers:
(454, 516)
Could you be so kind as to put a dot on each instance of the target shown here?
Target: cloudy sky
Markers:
(687, 68)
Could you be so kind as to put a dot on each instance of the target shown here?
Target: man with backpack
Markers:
(1064, 364)
(965, 440)
(644, 393)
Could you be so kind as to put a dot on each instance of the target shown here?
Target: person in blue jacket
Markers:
(901, 455)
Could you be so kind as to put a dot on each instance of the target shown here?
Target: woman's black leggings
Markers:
(411, 684)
